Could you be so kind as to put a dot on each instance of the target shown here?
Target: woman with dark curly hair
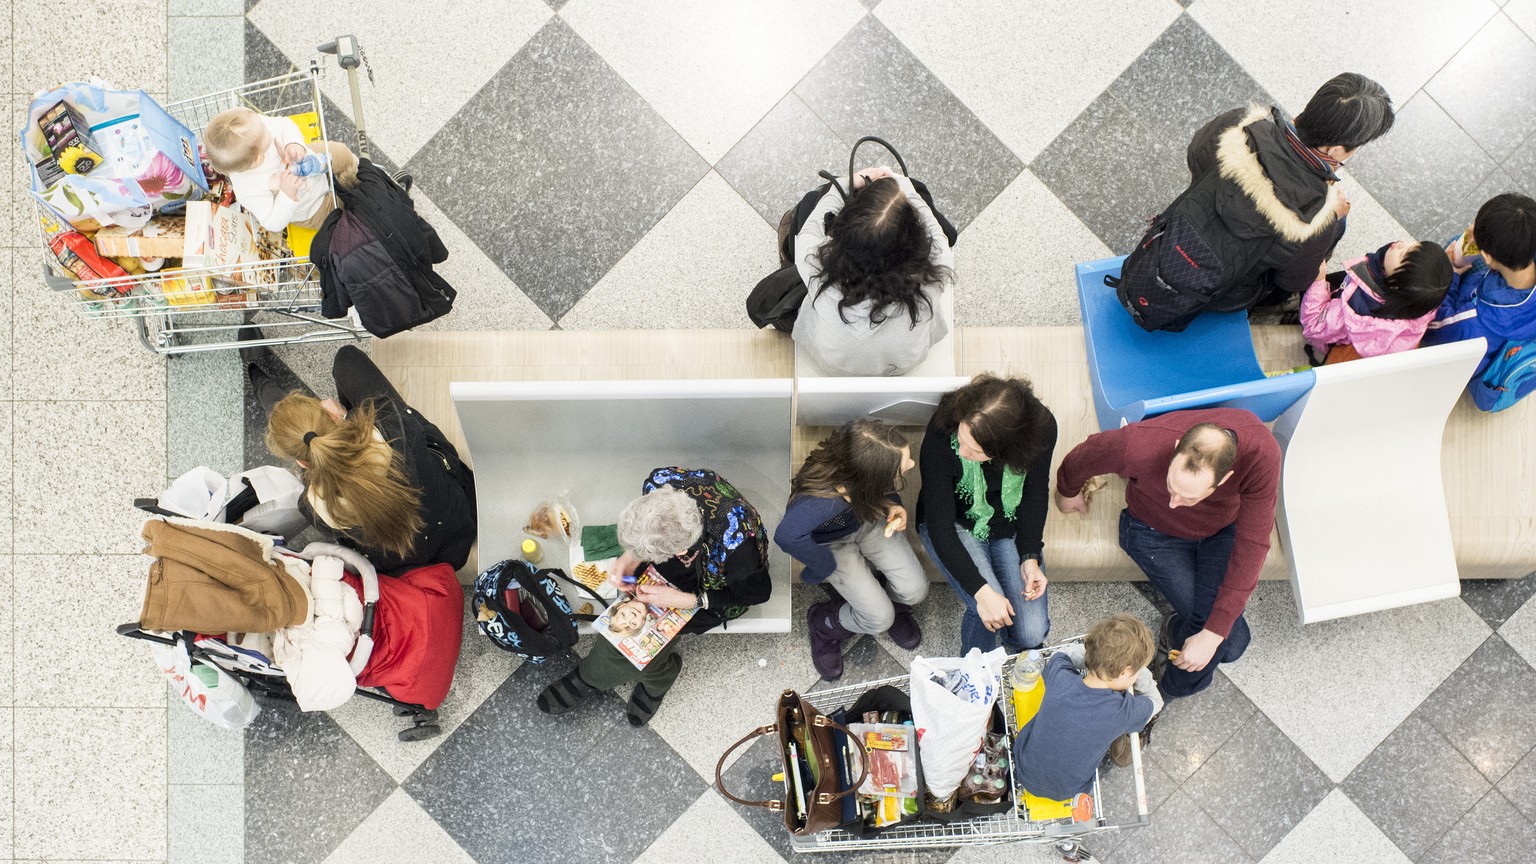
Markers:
(986, 469)
(873, 279)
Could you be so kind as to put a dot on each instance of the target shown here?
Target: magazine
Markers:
(638, 629)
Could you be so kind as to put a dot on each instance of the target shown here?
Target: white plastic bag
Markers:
(952, 701)
(223, 701)
(203, 493)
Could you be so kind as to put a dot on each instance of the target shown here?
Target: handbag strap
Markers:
(828, 797)
(854, 154)
(774, 805)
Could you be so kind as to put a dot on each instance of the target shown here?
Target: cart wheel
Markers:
(421, 733)
(1073, 851)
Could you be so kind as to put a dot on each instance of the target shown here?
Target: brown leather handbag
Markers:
(798, 722)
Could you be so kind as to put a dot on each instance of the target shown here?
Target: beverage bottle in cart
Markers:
(1028, 688)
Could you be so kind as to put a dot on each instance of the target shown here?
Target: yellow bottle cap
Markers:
(530, 546)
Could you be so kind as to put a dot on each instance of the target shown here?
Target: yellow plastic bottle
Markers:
(1028, 688)
(532, 553)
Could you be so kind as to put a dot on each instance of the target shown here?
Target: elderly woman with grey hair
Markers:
(699, 534)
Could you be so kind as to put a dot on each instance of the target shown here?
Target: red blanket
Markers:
(417, 631)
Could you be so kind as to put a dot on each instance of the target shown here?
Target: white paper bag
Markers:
(952, 700)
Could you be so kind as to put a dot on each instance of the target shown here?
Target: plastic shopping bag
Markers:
(952, 701)
(264, 499)
(209, 691)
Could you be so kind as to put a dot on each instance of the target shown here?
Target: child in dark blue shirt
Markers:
(1088, 704)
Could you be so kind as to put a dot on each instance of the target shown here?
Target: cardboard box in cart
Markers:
(223, 237)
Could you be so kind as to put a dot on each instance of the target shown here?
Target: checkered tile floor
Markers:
(622, 163)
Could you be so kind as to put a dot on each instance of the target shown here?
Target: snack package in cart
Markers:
(952, 701)
(639, 630)
(225, 236)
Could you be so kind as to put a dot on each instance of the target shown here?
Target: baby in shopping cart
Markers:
(1095, 694)
(261, 155)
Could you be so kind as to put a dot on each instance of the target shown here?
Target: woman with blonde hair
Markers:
(377, 474)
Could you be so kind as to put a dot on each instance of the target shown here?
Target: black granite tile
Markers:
(556, 168)
(870, 4)
(1484, 708)
(1459, 216)
(1182, 832)
(776, 163)
(870, 84)
(307, 785)
(1519, 785)
(263, 59)
(512, 784)
(1415, 786)
(1497, 599)
(1258, 786)
(557, 4)
(1424, 168)
(1494, 831)
(1480, 89)
(1190, 731)
(864, 660)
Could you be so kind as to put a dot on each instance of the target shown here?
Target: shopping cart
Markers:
(206, 308)
(1013, 826)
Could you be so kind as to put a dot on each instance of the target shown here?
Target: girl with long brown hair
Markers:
(844, 522)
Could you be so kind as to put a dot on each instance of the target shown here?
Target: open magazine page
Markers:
(638, 629)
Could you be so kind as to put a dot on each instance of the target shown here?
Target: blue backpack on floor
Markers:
(1508, 379)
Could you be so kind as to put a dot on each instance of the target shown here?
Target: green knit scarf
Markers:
(972, 488)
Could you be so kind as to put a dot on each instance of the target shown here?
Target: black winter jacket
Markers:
(1266, 191)
(376, 253)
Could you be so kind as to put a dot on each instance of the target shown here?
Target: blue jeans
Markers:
(1188, 573)
(998, 563)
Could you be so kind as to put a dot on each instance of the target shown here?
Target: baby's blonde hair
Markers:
(233, 140)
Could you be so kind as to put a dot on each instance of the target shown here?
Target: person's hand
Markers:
(1197, 651)
(1034, 579)
(1076, 504)
(666, 597)
(1341, 208)
(995, 610)
(289, 184)
(1322, 272)
(895, 519)
(623, 566)
(870, 175)
(292, 153)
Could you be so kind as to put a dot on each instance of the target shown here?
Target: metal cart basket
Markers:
(1012, 826)
(205, 308)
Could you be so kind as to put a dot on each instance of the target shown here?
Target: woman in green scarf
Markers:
(986, 468)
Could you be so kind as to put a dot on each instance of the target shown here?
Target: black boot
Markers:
(827, 637)
(252, 355)
(904, 630)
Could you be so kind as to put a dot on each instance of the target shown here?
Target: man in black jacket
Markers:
(1278, 181)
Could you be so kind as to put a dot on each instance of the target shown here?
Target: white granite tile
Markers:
(205, 754)
(207, 823)
(119, 41)
(1399, 43)
(1370, 226)
(1013, 265)
(205, 55)
(1044, 61)
(85, 463)
(399, 832)
(1335, 830)
(710, 823)
(1523, 13)
(488, 299)
(7, 496)
(694, 269)
(84, 664)
(7, 261)
(426, 68)
(1359, 680)
(1520, 631)
(199, 8)
(712, 69)
(7, 785)
(90, 783)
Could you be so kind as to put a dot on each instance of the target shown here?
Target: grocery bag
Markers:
(952, 701)
(209, 691)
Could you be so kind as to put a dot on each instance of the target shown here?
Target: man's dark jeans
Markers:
(1188, 574)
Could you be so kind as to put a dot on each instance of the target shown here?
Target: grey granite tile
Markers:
(870, 4)
(1521, 167)
(1493, 831)
(263, 59)
(207, 823)
(204, 412)
(47, 47)
(1117, 796)
(775, 164)
(1112, 172)
(1478, 90)
(870, 84)
(1484, 708)
(205, 754)
(1190, 731)
(1182, 80)
(1182, 832)
(399, 832)
(1415, 786)
(703, 826)
(503, 750)
(596, 168)
(302, 769)
(1497, 599)
(1258, 786)
(90, 783)
(205, 55)
(1423, 169)
(1458, 217)
(1519, 785)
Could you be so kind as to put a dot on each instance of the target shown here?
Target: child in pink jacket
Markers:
(1380, 304)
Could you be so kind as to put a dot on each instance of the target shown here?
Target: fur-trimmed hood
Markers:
(1292, 198)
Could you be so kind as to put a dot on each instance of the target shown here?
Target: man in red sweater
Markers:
(1200, 502)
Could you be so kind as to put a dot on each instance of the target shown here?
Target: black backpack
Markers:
(533, 620)
(1186, 261)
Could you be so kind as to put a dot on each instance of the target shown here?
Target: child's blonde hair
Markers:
(233, 140)
(1116, 644)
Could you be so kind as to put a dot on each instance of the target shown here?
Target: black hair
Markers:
(1349, 111)
(1505, 228)
(1418, 285)
(878, 249)
(1010, 424)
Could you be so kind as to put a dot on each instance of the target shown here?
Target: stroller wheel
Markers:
(420, 733)
(422, 715)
